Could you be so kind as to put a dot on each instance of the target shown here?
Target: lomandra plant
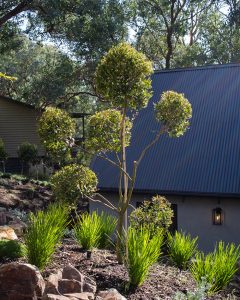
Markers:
(107, 228)
(181, 248)
(218, 267)
(87, 230)
(143, 252)
(44, 233)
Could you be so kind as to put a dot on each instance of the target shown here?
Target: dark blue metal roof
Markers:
(206, 160)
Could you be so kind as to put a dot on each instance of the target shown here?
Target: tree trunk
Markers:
(169, 48)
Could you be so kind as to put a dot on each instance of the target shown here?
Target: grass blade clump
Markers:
(108, 225)
(218, 267)
(44, 232)
(181, 248)
(87, 230)
(143, 252)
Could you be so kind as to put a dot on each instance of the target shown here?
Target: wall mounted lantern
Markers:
(217, 215)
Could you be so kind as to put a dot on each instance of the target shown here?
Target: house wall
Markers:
(18, 123)
(194, 216)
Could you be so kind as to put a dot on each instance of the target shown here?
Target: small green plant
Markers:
(181, 248)
(155, 214)
(11, 249)
(3, 154)
(218, 267)
(44, 232)
(198, 294)
(87, 230)
(27, 153)
(143, 251)
(72, 182)
(108, 225)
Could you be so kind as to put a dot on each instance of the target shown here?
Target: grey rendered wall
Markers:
(18, 124)
(195, 217)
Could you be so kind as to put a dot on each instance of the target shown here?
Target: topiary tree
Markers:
(154, 214)
(56, 130)
(27, 153)
(123, 79)
(3, 154)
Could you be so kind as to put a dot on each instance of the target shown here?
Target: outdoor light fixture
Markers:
(217, 216)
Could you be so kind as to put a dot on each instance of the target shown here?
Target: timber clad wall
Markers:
(18, 123)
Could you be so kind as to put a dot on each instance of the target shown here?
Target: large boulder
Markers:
(20, 282)
(7, 233)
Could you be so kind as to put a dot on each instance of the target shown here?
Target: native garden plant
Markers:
(27, 154)
(56, 130)
(3, 154)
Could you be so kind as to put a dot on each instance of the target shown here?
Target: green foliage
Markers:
(143, 251)
(198, 294)
(56, 130)
(122, 77)
(173, 111)
(104, 130)
(94, 230)
(72, 182)
(11, 249)
(44, 232)
(87, 230)
(181, 248)
(3, 153)
(27, 152)
(155, 214)
(108, 225)
(218, 267)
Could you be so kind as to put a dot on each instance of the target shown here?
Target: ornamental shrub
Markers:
(181, 248)
(218, 268)
(57, 130)
(123, 77)
(104, 129)
(72, 182)
(143, 252)
(173, 111)
(11, 249)
(154, 214)
(27, 153)
(3, 154)
(45, 230)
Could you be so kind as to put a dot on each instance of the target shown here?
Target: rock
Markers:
(3, 218)
(18, 226)
(7, 233)
(52, 283)
(69, 286)
(20, 282)
(69, 272)
(111, 294)
(55, 297)
(81, 296)
(89, 285)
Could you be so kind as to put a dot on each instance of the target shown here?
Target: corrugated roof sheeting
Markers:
(207, 158)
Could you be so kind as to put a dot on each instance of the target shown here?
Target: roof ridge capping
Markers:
(197, 68)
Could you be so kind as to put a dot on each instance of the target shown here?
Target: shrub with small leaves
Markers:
(155, 214)
(11, 249)
(181, 248)
(27, 153)
(123, 77)
(3, 154)
(72, 182)
(199, 294)
(104, 129)
(56, 130)
(173, 111)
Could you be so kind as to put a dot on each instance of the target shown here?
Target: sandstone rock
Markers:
(69, 286)
(69, 272)
(7, 233)
(18, 226)
(55, 297)
(81, 296)
(111, 294)
(52, 283)
(20, 282)
(89, 285)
